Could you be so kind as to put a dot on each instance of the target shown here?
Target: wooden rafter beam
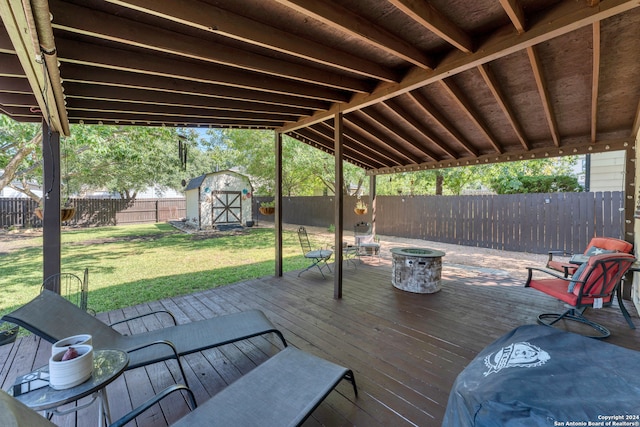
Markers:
(595, 81)
(516, 14)
(494, 87)
(565, 17)
(93, 23)
(344, 20)
(359, 133)
(432, 19)
(219, 21)
(538, 75)
(318, 136)
(426, 107)
(419, 125)
(463, 103)
(374, 114)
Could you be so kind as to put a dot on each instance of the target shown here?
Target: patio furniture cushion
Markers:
(535, 375)
(597, 246)
(53, 318)
(283, 391)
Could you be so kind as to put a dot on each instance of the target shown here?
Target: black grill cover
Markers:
(540, 376)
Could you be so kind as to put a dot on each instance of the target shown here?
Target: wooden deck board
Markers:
(405, 349)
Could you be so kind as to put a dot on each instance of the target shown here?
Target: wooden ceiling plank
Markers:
(456, 94)
(516, 14)
(355, 119)
(494, 87)
(90, 22)
(374, 114)
(207, 17)
(410, 120)
(558, 20)
(118, 59)
(424, 105)
(544, 94)
(342, 19)
(18, 100)
(178, 111)
(432, 19)
(595, 81)
(123, 94)
(116, 79)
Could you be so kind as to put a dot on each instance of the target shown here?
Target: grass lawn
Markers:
(132, 264)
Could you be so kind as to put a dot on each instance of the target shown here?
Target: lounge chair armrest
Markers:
(559, 253)
(173, 349)
(549, 272)
(149, 403)
(173, 318)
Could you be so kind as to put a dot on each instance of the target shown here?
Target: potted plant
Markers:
(8, 332)
(67, 211)
(267, 208)
(361, 207)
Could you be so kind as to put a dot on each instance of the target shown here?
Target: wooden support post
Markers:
(51, 233)
(278, 200)
(372, 200)
(338, 207)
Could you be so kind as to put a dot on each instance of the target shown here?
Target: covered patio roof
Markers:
(419, 84)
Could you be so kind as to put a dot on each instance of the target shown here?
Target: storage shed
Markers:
(219, 198)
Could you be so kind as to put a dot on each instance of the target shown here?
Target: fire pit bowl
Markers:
(416, 269)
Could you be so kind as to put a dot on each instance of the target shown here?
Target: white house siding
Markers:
(607, 171)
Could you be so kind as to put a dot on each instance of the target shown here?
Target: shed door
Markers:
(226, 207)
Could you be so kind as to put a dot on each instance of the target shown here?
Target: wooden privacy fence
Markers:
(18, 212)
(532, 223)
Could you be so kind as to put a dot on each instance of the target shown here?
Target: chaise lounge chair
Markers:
(283, 391)
(53, 318)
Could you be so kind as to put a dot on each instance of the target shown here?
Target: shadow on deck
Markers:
(405, 349)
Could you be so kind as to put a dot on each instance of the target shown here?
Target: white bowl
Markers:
(63, 344)
(69, 373)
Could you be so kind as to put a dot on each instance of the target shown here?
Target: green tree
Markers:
(20, 145)
(118, 159)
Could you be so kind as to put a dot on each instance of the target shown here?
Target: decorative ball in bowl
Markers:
(70, 367)
(65, 343)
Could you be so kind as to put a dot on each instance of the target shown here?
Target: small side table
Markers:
(107, 366)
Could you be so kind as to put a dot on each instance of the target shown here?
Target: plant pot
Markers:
(65, 213)
(8, 332)
(267, 211)
(360, 211)
(75, 340)
(69, 373)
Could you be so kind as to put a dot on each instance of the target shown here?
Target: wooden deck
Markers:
(405, 349)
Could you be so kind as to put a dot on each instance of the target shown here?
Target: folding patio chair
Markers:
(53, 318)
(71, 287)
(367, 244)
(319, 257)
